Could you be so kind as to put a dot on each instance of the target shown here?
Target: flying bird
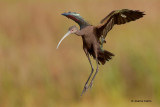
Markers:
(94, 36)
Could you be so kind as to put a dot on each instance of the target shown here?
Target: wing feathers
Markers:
(117, 17)
(107, 17)
(77, 18)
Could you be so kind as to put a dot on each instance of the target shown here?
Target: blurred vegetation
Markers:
(34, 74)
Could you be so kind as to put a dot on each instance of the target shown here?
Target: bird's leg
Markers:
(90, 85)
(92, 69)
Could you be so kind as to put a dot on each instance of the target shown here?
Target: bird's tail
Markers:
(104, 56)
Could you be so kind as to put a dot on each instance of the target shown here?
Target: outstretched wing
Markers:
(77, 18)
(116, 17)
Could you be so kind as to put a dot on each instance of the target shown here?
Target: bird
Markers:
(93, 37)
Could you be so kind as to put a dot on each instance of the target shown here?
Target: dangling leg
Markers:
(86, 87)
(90, 85)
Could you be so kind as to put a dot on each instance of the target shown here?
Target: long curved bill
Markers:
(68, 33)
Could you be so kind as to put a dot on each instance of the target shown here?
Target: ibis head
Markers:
(71, 30)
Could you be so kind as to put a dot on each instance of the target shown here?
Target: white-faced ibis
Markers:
(94, 36)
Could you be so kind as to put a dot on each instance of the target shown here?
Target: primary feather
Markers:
(116, 17)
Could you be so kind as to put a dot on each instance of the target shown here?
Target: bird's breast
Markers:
(89, 41)
(89, 38)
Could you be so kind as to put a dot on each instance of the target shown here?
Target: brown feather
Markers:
(116, 17)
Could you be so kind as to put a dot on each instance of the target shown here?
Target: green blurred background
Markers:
(34, 74)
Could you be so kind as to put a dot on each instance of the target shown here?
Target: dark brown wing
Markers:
(116, 17)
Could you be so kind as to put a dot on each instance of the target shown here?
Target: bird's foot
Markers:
(91, 84)
(84, 89)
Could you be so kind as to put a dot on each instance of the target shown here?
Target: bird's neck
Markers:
(79, 33)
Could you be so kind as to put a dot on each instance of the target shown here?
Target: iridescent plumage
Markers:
(77, 18)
